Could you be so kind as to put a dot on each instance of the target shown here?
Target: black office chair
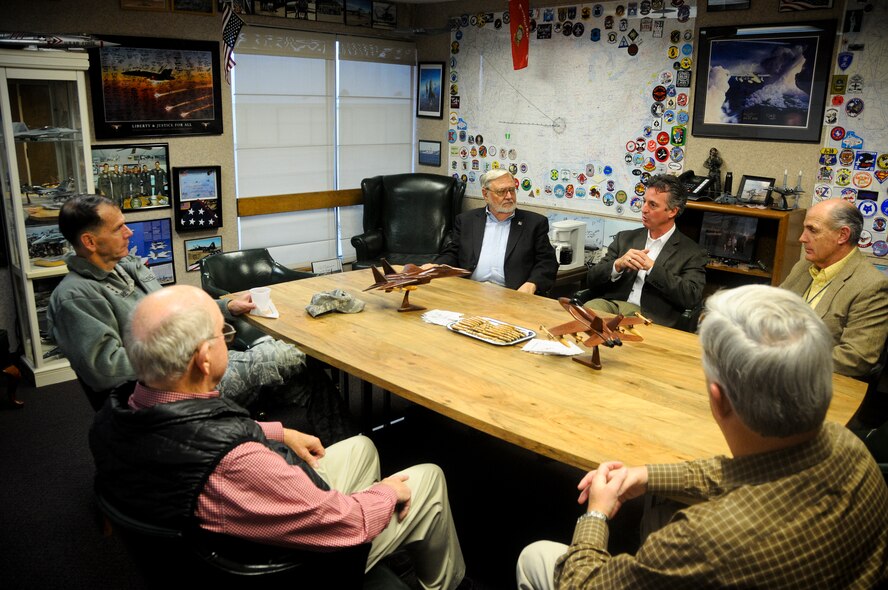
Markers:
(407, 218)
(239, 270)
(172, 555)
(873, 410)
(97, 398)
(876, 440)
(687, 322)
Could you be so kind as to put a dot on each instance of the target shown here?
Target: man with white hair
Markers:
(801, 504)
(501, 243)
(175, 451)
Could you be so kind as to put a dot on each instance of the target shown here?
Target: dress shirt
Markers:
(821, 278)
(254, 494)
(493, 250)
(653, 247)
(811, 516)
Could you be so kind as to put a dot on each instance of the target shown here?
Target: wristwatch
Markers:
(593, 514)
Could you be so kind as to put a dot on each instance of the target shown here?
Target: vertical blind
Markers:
(309, 119)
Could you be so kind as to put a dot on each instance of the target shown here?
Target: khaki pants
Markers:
(613, 306)
(428, 532)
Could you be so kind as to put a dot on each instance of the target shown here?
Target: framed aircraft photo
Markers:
(135, 176)
(152, 241)
(197, 250)
(155, 87)
(755, 190)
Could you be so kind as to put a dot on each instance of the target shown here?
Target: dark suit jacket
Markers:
(854, 308)
(674, 284)
(530, 256)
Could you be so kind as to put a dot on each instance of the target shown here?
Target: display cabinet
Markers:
(44, 160)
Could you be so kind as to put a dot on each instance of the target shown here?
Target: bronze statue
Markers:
(714, 163)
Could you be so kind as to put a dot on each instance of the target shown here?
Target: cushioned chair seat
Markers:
(407, 218)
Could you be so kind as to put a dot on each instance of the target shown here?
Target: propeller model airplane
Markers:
(409, 278)
(591, 330)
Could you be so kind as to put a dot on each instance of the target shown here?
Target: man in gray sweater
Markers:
(91, 308)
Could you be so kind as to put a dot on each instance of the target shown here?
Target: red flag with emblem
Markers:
(519, 27)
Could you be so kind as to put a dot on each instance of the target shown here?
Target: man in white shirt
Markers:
(654, 269)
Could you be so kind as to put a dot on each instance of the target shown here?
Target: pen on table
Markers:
(552, 336)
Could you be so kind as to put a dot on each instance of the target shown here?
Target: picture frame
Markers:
(198, 249)
(152, 241)
(755, 190)
(430, 90)
(205, 7)
(359, 13)
(146, 87)
(152, 5)
(429, 153)
(276, 8)
(796, 6)
(726, 93)
(385, 15)
(326, 267)
(197, 197)
(721, 5)
(135, 176)
(330, 11)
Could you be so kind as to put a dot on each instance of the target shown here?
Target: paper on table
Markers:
(270, 312)
(539, 346)
(441, 317)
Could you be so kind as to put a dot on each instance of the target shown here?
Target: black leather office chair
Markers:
(97, 398)
(239, 270)
(873, 410)
(407, 217)
(172, 555)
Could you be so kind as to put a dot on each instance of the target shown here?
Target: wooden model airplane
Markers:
(409, 278)
(595, 330)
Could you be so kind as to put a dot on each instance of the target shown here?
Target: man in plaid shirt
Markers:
(801, 504)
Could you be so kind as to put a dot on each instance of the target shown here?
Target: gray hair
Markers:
(163, 351)
(772, 357)
(492, 175)
(848, 216)
(677, 196)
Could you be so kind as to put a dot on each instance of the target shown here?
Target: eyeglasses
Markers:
(228, 333)
(502, 191)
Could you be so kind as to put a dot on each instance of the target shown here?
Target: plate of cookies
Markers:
(491, 331)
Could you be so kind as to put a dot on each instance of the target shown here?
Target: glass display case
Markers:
(44, 160)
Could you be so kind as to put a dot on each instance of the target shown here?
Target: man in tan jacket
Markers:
(843, 288)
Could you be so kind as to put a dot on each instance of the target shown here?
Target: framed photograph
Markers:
(198, 201)
(797, 5)
(155, 87)
(385, 15)
(719, 5)
(270, 8)
(765, 82)
(197, 250)
(429, 153)
(207, 7)
(135, 176)
(302, 10)
(755, 190)
(330, 11)
(429, 90)
(156, 5)
(152, 241)
(358, 13)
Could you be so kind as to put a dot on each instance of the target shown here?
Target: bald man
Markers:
(848, 293)
(153, 450)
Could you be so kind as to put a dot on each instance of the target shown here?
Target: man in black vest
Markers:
(175, 450)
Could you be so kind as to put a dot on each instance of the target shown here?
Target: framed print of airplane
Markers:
(156, 88)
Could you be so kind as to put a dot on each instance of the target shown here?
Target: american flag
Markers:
(231, 26)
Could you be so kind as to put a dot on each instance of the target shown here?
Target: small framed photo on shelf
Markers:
(429, 90)
(755, 190)
(385, 15)
(326, 267)
(429, 153)
(135, 176)
(197, 193)
(152, 241)
(155, 5)
(206, 7)
(198, 249)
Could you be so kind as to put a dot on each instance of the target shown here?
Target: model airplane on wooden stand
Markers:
(409, 278)
(591, 330)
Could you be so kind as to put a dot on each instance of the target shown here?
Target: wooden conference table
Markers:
(647, 405)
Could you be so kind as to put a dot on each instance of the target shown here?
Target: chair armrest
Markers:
(368, 245)
(583, 295)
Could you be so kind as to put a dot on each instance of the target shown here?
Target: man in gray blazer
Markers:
(654, 269)
(846, 291)
(500, 243)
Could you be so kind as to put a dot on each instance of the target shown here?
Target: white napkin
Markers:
(440, 317)
(540, 346)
